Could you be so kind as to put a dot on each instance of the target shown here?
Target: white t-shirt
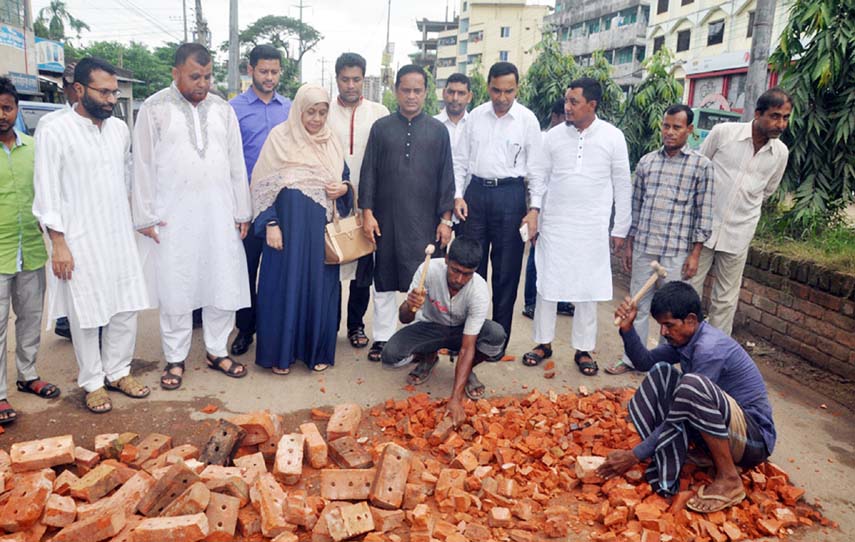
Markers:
(467, 308)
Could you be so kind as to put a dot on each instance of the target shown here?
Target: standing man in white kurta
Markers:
(191, 198)
(82, 181)
(350, 118)
(582, 169)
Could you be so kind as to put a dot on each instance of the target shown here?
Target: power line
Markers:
(150, 18)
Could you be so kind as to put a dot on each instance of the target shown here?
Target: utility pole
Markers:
(387, 53)
(761, 41)
(184, 16)
(301, 5)
(202, 32)
(234, 50)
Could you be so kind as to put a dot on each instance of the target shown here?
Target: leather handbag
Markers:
(343, 238)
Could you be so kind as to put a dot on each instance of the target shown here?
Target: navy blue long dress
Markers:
(298, 294)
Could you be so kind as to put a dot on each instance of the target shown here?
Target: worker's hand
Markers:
(626, 257)
(243, 228)
(627, 311)
(690, 266)
(370, 227)
(152, 231)
(416, 298)
(617, 463)
(617, 245)
(461, 210)
(274, 237)
(454, 408)
(62, 262)
(335, 190)
(530, 220)
(443, 235)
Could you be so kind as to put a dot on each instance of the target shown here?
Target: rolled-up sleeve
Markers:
(703, 205)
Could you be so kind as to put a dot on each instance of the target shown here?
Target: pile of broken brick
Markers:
(520, 469)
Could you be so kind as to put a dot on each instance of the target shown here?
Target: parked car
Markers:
(29, 114)
(705, 119)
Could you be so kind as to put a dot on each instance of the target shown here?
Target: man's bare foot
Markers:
(722, 493)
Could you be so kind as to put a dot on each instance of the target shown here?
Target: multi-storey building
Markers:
(426, 55)
(712, 42)
(618, 28)
(17, 46)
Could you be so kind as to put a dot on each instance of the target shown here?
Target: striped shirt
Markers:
(672, 199)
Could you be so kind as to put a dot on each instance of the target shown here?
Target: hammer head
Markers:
(430, 249)
(659, 269)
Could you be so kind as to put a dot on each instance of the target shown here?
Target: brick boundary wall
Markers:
(799, 306)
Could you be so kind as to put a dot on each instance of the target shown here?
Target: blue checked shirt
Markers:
(672, 200)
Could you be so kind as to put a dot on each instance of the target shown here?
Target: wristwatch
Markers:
(446, 222)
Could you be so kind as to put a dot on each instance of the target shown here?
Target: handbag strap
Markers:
(335, 214)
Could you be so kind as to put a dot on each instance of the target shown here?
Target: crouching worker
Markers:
(718, 402)
(449, 312)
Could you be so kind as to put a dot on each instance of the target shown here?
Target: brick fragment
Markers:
(269, 498)
(732, 531)
(449, 478)
(233, 486)
(126, 534)
(519, 535)
(105, 445)
(248, 521)
(123, 471)
(441, 432)
(349, 454)
(586, 468)
(252, 464)
(344, 422)
(42, 454)
(320, 532)
(85, 459)
(557, 523)
(150, 447)
(288, 466)
(95, 484)
(387, 520)
(316, 450)
(222, 515)
(194, 500)
(387, 490)
(476, 531)
(59, 511)
(26, 501)
(94, 529)
(346, 484)
(415, 494)
(286, 537)
(298, 511)
(190, 528)
(258, 426)
(349, 521)
(63, 482)
(176, 480)
(499, 517)
(466, 460)
(221, 444)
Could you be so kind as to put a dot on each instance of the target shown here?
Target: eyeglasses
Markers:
(105, 92)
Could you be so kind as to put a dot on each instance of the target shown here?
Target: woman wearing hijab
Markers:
(296, 181)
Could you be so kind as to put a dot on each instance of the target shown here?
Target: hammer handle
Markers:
(424, 275)
(644, 289)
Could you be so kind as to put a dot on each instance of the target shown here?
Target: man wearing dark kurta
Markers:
(406, 192)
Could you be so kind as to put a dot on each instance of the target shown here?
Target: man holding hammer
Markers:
(671, 215)
(447, 305)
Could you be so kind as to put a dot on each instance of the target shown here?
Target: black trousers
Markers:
(495, 214)
(357, 305)
(253, 246)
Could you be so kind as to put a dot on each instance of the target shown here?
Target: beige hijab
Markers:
(293, 158)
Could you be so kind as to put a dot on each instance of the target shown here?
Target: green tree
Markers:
(478, 86)
(816, 56)
(547, 78)
(154, 68)
(611, 105)
(53, 19)
(431, 101)
(389, 100)
(642, 115)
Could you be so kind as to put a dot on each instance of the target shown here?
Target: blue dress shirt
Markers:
(256, 119)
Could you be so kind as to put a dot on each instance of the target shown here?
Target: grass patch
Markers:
(833, 247)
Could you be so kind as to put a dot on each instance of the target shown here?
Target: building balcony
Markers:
(614, 38)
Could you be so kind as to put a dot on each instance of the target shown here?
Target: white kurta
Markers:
(82, 179)
(189, 173)
(578, 176)
(352, 127)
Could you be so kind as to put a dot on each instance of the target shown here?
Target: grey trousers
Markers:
(26, 292)
(428, 337)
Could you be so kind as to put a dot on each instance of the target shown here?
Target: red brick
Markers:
(349, 454)
(773, 322)
(233, 486)
(298, 512)
(96, 528)
(466, 460)
(252, 465)
(387, 520)
(26, 501)
(259, 426)
(810, 309)
(765, 304)
(586, 467)
(85, 459)
(42, 454)
(802, 334)
(745, 295)
(150, 447)
(288, 466)
(790, 315)
(249, 521)
(346, 484)
(316, 451)
(105, 445)
(269, 499)
(95, 484)
(286, 537)
(63, 482)
(194, 500)
(826, 300)
(126, 534)
(320, 532)
(499, 517)
(832, 348)
(390, 481)
(177, 479)
(59, 511)
(349, 521)
(190, 528)
(344, 421)
(449, 478)
(222, 515)
(752, 313)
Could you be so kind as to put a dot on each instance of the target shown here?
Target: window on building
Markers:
(505, 32)
(658, 43)
(475, 37)
(461, 67)
(463, 47)
(715, 34)
(465, 6)
(559, 7)
(12, 12)
(464, 26)
(447, 62)
(577, 31)
(750, 24)
(684, 40)
(473, 59)
(503, 56)
(565, 33)
(607, 22)
(645, 14)
(662, 6)
(593, 26)
(623, 56)
(686, 2)
(446, 41)
(639, 53)
(628, 16)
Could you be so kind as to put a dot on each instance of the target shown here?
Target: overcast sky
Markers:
(347, 25)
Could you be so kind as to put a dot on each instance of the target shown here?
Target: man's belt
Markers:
(495, 182)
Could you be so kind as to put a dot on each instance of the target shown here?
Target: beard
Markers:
(94, 108)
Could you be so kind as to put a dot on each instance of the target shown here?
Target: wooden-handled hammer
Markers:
(658, 272)
(429, 250)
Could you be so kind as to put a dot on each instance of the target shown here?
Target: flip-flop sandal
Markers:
(7, 413)
(422, 372)
(721, 501)
(235, 370)
(619, 368)
(587, 368)
(169, 375)
(357, 337)
(280, 372)
(375, 354)
(130, 386)
(39, 387)
(96, 399)
(533, 359)
(473, 387)
(320, 367)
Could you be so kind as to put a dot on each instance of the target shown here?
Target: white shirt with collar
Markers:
(494, 147)
(743, 179)
(454, 130)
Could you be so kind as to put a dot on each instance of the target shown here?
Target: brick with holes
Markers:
(349, 521)
(390, 480)
(349, 454)
(269, 498)
(189, 528)
(195, 499)
(172, 484)
(42, 454)
(94, 529)
(288, 466)
(344, 421)
(95, 484)
(26, 500)
(59, 511)
(316, 451)
(222, 515)
(346, 484)
(150, 447)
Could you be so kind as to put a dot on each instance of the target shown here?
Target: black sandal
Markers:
(375, 354)
(235, 370)
(587, 368)
(357, 337)
(532, 359)
(423, 370)
(169, 375)
(39, 387)
(474, 389)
